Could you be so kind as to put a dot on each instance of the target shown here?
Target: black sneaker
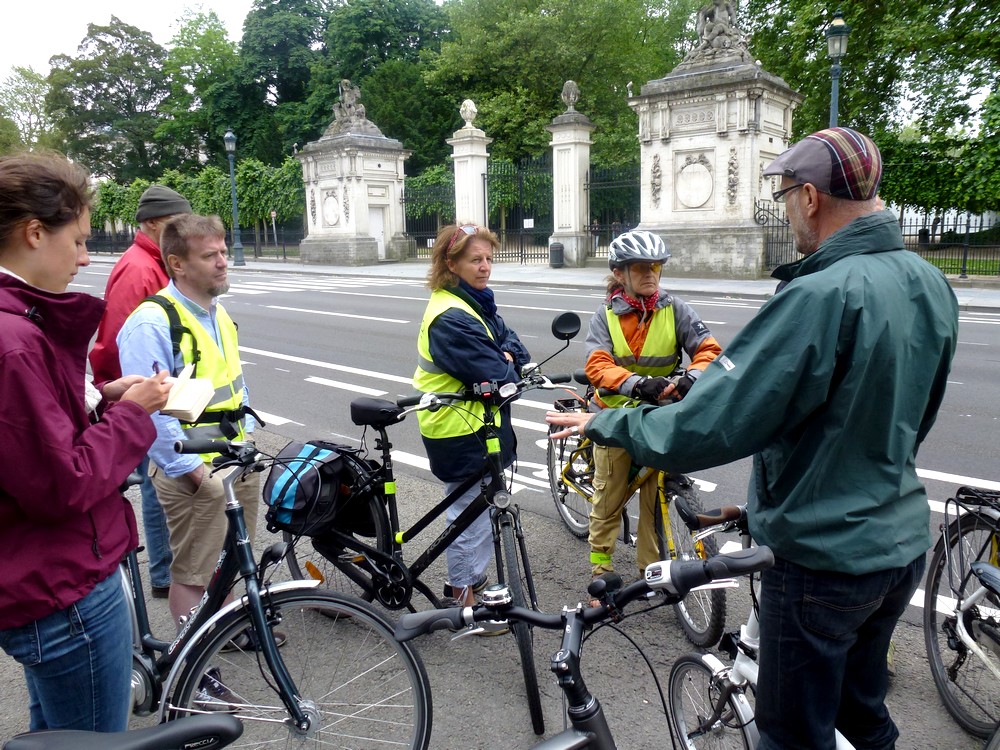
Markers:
(213, 695)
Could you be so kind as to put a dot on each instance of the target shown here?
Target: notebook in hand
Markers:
(188, 396)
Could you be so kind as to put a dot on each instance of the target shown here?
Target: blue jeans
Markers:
(824, 640)
(470, 554)
(154, 525)
(78, 662)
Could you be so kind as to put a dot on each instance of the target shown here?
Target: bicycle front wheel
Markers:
(359, 686)
(702, 614)
(522, 631)
(969, 690)
(573, 508)
(693, 695)
(335, 566)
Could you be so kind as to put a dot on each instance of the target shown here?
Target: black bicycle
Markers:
(339, 677)
(364, 554)
(588, 725)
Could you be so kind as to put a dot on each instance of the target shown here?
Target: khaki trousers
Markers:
(611, 479)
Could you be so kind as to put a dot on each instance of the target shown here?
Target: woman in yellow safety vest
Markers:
(463, 341)
(635, 341)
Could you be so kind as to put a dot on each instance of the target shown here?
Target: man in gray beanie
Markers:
(137, 274)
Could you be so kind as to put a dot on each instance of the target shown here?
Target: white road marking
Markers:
(336, 314)
(346, 386)
(274, 419)
(328, 365)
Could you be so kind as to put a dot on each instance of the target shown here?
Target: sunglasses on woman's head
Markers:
(469, 229)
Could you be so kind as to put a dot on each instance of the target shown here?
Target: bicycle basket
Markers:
(313, 486)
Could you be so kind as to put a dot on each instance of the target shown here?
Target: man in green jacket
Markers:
(832, 387)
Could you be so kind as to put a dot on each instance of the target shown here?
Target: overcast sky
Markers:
(32, 31)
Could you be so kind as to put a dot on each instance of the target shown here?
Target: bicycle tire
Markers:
(702, 614)
(692, 693)
(573, 508)
(994, 741)
(363, 687)
(521, 630)
(968, 690)
(343, 570)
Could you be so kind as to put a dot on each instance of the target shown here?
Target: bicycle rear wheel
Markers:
(573, 508)
(702, 614)
(693, 694)
(522, 631)
(336, 567)
(968, 689)
(361, 688)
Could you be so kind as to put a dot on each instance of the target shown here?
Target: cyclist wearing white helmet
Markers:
(636, 341)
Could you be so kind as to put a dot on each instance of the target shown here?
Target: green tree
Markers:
(928, 64)
(110, 205)
(282, 40)
(398, 99)
(10, 138)
(513, 56)
(22, 100)
(363, 34)
(201, 67)
(106, 102)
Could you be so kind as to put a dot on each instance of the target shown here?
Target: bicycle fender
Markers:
(180, 662)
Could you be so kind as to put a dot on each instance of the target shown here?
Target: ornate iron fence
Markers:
(959, 244)
(519, 198)
(614, 197)
(426, 210)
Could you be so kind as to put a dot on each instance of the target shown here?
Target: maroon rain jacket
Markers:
(64, 526)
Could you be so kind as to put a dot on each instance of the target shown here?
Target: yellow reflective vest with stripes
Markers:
(221, 366)
(662, 337)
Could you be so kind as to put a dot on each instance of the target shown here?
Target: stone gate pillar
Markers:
(706, 131)
(354, 186)
(570, 162)
(468, 146)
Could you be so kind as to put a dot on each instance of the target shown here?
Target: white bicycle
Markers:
(710, 703)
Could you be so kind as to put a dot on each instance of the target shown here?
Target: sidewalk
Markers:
(973, 294)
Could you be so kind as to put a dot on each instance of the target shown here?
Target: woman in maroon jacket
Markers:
(64, 525)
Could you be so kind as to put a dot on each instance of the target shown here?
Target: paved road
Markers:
(477, 685)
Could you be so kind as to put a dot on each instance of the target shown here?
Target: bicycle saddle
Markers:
(206, 731)
(374, 412)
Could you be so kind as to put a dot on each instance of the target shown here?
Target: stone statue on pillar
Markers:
(349, 114)
(719, 38)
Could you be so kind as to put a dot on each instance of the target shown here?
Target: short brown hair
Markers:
(42, 186)
(178, 233)
(448, 246)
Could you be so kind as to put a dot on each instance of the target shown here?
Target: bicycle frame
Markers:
(235, 560)
(963, 605)
(493, 497)
(732, 681)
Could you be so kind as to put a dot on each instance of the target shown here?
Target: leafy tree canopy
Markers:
(22, 101)
(106, 102)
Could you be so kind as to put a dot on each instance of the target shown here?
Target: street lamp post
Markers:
(230, 140)
(836, 40)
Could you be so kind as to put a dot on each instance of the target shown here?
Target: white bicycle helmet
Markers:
(636, 246)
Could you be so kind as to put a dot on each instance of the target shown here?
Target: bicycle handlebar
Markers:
(487, 391)
(675, 577)
(201, 445)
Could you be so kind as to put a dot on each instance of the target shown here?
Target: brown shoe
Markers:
(159, 592)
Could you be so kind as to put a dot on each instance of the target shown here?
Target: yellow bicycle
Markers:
(702, 613)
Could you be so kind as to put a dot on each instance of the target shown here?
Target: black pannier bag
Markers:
(314, 486)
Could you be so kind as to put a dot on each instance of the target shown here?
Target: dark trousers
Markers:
(824, 640)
